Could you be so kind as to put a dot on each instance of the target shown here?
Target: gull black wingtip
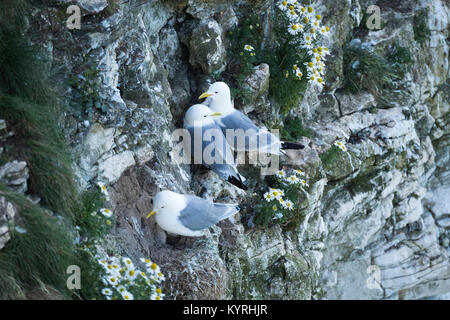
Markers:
(291, 146)
(236, 182)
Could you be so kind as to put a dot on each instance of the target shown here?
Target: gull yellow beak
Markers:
(151, 213)
(204, 95)
(215, 114)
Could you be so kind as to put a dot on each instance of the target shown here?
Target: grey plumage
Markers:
(256, 138)
(200, 214)
(225, 166)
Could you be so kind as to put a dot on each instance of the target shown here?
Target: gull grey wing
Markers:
(237, 120)
(200, 214)
(254, 138)
(221, 151)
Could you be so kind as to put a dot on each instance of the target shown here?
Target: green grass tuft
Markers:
(330, 156)
(294, 129)
(40, 143)
(38, 257)
(364, 69)
(31, 108)
(420, 26)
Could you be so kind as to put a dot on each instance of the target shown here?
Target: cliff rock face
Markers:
(375, 224)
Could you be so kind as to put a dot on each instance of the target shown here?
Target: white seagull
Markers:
(209, 146)
(188, 215)
(256, 139)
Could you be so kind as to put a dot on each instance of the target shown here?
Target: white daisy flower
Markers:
(131, 274)
(295, 28)
(293, 180)
(112, 280)
(160, 277)
(153, 269)
(106, 212)
(299, 172)
(248, 47)
(127, 295)
(159, 293)
(103, 188)
(283, 5)
(268, 196)
(281, 174)
(103, 263)
(121, 289)
(324, 30)
(106, 292)
(288, 205)
(146, 261)
(276, 193)
(304, 183)
(310, 12)
(128, 263)
(340, 145)
(292, 16)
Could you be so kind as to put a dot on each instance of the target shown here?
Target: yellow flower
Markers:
(310, 9)
(305, 19)
(318, 17)
(158, 290)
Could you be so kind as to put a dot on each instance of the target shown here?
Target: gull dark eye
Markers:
(216, 92)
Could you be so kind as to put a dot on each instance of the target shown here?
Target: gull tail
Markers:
(291, 146)
(226, 210)
(237, 182)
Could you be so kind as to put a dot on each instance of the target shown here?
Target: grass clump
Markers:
(294, 129)
(330, 156)
(30, 108)
(364, 69)
(37, 257)
(400, 59)
(85, 97)
(420, 26)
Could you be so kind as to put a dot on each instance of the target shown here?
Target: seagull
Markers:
(188, 215)
(217, 154)
(218, 98)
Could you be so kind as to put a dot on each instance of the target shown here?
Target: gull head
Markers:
(219, 96)
(167, 202)
(199, 114)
